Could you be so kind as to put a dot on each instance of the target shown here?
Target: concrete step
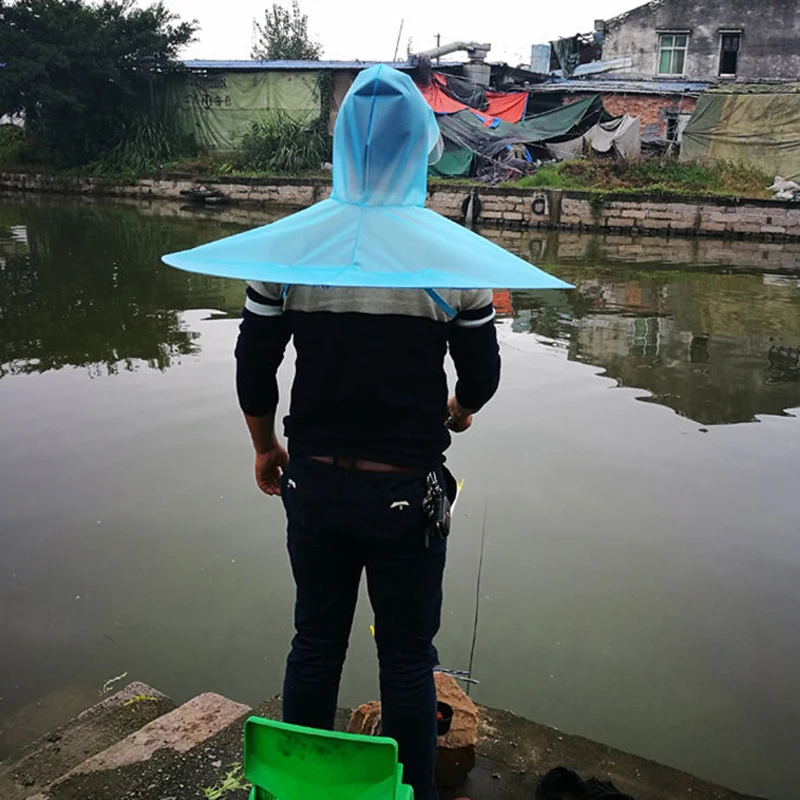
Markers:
(31, 722)
(193, 748)
(36, 765)
(168, 757)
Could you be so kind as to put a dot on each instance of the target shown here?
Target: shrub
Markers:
(12, 145)
(146, 146)
(281, 144)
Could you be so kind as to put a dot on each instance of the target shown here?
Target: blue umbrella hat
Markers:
(374, 231)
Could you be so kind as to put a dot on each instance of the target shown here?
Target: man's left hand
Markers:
(269, 468)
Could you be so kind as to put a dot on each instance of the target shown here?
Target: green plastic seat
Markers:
(288, 762)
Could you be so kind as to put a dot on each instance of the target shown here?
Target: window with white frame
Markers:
(672, 53)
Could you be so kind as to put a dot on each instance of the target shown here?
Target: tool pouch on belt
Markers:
(438, 502)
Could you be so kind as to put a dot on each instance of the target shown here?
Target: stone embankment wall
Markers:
(768, 220)
(288, 192)
(705, 216)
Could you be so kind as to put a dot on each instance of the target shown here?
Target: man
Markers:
(366, 426)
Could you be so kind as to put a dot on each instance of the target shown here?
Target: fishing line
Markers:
(477, 596)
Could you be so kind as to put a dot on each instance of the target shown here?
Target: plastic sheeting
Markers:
(221, 106)
(573, 148)
(467, 129)
(439, 100)
(622, 136)
(567, 52)
(374, 231)
(562, 121)
(456, 162)
(762, 129)
(465, 90)
(507, 106)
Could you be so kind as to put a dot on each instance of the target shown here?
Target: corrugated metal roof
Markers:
(207, 64)
(618, 86)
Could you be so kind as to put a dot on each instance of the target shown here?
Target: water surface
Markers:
(641, 576)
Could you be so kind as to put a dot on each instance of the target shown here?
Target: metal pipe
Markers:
(475, 50)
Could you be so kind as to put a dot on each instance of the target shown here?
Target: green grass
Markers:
(654, 176)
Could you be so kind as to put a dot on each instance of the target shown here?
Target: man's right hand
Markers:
(269, 468)
(460, 418)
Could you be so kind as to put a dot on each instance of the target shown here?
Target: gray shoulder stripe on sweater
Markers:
(346, 300)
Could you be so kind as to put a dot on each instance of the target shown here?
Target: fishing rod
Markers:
(477, 597)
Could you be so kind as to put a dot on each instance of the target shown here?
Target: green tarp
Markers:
(456, 162)
(566, 122)
(762, 129)
(219, 107)
(466, 129)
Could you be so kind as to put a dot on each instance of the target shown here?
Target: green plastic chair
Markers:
(288, 762)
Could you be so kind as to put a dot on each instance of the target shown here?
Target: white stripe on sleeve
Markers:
(262, 309)
(475, 323)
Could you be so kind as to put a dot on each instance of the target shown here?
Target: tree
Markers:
(284, 36)
(82, 74)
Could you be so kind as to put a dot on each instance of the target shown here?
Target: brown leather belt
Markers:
(362, 465)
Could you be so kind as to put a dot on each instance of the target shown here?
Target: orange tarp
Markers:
(503, 305)
(438, 100)
(508, 106)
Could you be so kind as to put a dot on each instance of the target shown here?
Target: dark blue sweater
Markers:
(369, 376)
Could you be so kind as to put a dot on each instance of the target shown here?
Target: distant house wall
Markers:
(654, 110)
(768, 30)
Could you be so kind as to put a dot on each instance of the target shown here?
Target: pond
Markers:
(634, 483)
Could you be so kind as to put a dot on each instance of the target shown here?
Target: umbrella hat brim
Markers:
(335, 243)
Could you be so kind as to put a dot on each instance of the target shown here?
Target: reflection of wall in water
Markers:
(714, 347)
(566, 246)
(708, 378)
(604, 337)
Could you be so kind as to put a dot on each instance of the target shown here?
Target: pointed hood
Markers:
(383, 135)
(374, 231)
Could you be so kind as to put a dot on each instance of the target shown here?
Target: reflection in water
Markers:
(713, 340)
(82, 285)
(641, 578)
(711, 329)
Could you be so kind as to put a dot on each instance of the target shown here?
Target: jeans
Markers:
(342, 522)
